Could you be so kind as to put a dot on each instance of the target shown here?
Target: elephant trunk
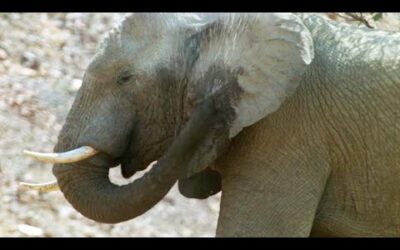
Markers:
(87, 187)
(90, 191)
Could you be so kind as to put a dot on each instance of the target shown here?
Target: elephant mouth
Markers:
(136, 159)
(130, 165)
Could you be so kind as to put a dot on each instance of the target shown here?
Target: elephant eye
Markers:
(124, 78)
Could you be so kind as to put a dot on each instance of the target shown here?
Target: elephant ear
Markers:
(258, 59)
(266, 53)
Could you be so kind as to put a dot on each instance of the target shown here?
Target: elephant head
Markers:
(174, 88)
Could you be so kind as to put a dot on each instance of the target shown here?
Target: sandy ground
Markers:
(42, 59)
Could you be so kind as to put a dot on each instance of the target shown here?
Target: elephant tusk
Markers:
(74, 155)
(42, 187)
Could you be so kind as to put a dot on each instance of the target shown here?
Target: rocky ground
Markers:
(42, 59)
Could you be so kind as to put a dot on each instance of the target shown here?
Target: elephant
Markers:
(293, 117)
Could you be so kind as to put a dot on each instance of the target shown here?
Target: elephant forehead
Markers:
(145, 40)
(153, 53)
(138, 56)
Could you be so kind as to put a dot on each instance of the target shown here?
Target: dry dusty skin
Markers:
(42, 59)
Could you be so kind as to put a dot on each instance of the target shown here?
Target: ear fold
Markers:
(269, 53)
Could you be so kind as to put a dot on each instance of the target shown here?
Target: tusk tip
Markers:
(30, 153)
(71, 156)
(43, 187)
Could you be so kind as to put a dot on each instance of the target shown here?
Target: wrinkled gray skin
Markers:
(296, 117)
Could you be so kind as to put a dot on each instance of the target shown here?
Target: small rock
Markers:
(214, 206)
(55, 73)
(65, 211)
(19, 99)
(30, 60)
(169, 200)
(3, 54)
(30, 230)
(75, 85)
(185, 232)
(26, 111)
(7, 199)
(19, 70)
(27, 71)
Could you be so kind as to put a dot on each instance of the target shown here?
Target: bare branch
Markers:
(357, 17)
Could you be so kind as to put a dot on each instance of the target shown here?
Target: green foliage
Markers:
(377, 16)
